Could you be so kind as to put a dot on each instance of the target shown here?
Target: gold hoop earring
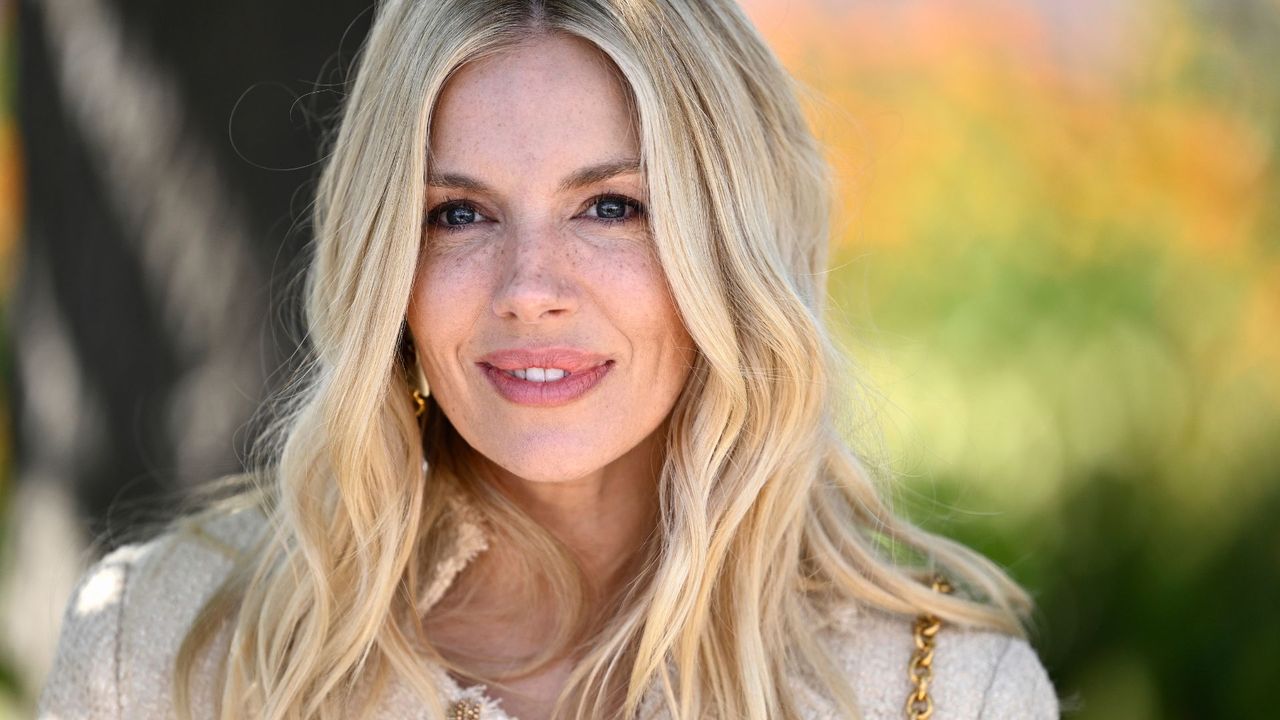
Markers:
(421, 391)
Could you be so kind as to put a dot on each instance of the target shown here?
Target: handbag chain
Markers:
(920, 670)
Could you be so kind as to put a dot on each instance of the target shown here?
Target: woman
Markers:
(568, 446)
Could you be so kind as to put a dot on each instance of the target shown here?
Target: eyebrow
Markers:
(581, 178)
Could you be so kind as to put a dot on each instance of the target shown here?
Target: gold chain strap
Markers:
(920, 670)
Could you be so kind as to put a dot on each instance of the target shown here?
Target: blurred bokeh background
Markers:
(1058, 257)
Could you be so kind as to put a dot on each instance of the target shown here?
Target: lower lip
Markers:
(546, 394)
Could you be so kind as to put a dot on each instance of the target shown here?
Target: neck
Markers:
(603, 521)
(604, 517)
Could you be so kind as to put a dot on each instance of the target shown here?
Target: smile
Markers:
(538, 374)
(544, 387)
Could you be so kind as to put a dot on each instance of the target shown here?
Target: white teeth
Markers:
(539, 374)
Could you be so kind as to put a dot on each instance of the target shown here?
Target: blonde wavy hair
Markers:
(767, 518)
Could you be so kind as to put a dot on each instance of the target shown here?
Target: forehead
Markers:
(553, 96)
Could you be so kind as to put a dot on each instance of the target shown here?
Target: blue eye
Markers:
(453, 216)
(614, 208)
(607, 208)
(459, 215)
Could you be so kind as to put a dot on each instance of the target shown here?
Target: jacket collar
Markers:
(467, 539)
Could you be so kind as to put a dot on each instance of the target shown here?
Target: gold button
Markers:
(464, 710)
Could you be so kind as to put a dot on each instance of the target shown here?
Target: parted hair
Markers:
(768, 518)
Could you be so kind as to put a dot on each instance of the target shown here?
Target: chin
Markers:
(548, 465)
(549, 456)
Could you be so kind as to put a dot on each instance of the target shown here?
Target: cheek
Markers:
(448, 294)
(653, 300)
(448, 286)
(636, 292)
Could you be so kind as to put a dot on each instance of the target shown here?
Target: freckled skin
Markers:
(532, 264)
(537, 265)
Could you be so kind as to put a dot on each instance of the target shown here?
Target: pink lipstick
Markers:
(544, 377)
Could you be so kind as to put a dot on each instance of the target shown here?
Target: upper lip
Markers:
(568, 359)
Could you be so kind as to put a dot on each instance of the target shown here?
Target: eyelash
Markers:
(435, 213)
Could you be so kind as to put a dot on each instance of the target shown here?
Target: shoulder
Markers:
(979, 674)
(130, 611)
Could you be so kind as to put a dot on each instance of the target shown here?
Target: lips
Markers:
(582, 372)
(570, 360)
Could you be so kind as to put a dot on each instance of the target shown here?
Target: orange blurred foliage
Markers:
(979, 124)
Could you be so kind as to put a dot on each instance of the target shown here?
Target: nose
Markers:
(537, 280)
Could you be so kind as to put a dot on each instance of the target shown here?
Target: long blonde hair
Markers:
(767, 517)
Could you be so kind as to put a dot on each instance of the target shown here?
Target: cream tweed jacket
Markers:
(127, 617)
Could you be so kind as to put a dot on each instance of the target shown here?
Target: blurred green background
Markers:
(1058, 257)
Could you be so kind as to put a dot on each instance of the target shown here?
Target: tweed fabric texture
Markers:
(129, 613)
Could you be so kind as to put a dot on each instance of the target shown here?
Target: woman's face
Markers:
(540, 313)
